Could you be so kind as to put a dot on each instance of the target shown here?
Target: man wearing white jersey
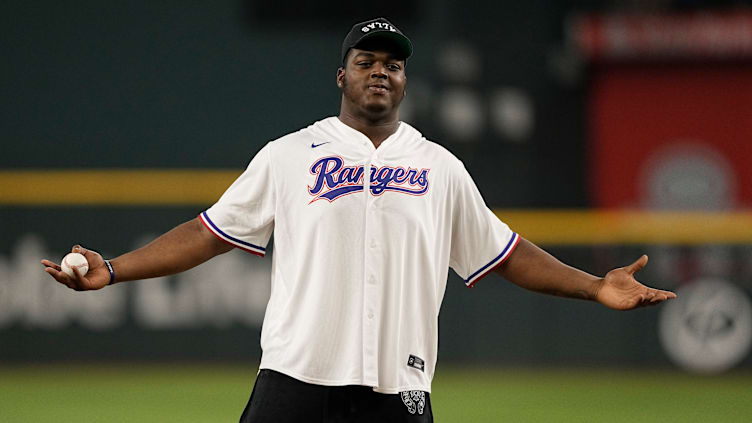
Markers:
(367, 216)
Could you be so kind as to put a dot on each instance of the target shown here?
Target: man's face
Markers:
(373, 81)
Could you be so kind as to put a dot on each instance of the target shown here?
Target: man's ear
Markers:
(340, 75)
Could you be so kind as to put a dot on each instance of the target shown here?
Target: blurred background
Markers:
(598, 129)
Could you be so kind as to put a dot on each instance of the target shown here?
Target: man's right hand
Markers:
(97, 277)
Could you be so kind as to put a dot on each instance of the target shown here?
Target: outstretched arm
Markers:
(532, 268)
(180, 249)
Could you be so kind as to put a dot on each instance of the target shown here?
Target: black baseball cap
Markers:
(377, 30)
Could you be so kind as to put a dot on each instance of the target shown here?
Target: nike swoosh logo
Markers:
(317, 145)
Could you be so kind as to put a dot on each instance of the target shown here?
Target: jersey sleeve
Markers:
(244, 215)
(480, 241)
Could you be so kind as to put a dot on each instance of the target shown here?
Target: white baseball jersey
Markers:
(363, 240)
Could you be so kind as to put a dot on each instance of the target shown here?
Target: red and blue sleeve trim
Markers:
(238, 243)
(496, 262)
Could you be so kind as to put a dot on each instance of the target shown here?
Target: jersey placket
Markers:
(372, 280)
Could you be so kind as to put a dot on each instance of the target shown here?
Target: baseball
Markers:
(77, 260)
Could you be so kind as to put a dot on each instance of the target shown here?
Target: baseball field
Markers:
(217, 393)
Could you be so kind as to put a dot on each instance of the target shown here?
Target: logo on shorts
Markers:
(334, 179)
(415, 401)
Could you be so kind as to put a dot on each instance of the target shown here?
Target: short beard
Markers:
(376, 111)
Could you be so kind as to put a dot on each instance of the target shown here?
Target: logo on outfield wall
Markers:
(708, 328)
(688, 175)
(237, 295)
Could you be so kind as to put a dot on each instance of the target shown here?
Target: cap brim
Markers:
(395, 41)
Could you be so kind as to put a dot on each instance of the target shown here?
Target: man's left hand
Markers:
(621, 291)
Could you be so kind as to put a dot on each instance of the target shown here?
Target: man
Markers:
(367, 216)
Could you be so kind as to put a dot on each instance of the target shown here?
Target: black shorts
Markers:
(278, 398)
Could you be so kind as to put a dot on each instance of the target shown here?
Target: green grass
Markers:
(218, 393)
(590, 395)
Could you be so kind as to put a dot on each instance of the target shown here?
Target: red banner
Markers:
(636, 37)
(666, 137)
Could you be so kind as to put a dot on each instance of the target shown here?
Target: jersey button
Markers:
(370, 315)
(373, 243)
(371, 280)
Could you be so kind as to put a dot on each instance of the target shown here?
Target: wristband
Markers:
(112, 272)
